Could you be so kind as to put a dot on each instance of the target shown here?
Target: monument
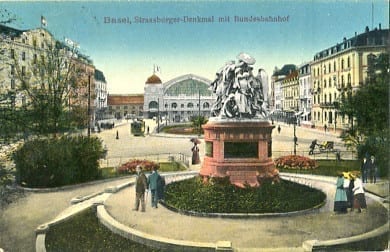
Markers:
(238, 142)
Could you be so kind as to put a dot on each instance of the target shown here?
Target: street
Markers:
(159, 145)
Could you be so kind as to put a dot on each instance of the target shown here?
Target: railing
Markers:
(116, 161)
(323, 155)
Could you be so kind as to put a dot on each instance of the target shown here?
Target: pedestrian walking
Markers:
(279, 129)
(364, 169)
(373, 169)
(141, 186)
(325, 127)
(340, 200)
(161, 188)
(312, 146)
(348, 186)
(148, 130)
(359, 200)
(195, 154)
(153, 181)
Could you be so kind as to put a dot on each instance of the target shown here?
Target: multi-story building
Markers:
(290, 91)
(276, 93)
(179, 99)
(340, 70)
(305, 101)
(125, 106)
(32, 55)
(101, 94)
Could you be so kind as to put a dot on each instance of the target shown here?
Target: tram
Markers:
(137, 127)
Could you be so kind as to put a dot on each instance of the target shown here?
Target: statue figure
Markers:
(239, 93)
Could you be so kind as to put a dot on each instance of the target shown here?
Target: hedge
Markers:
(58, 161)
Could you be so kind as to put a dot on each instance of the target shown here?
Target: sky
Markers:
(127, 52)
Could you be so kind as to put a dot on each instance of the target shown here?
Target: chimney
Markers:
(367, 29)
(380, 26)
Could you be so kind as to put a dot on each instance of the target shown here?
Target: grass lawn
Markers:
(185, 129)
(83, 232)
(110, 172)
(329, 167)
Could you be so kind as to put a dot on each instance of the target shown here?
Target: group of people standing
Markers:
(349, 193)
(369, 169)
(155, 183)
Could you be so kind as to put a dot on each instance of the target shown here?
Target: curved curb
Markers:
(70, 187)
(180, 245)
(150, 240)
(342, 243)
(314, 209)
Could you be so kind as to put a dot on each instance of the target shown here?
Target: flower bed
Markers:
(220, 196)
(129, 167)
(295, 162)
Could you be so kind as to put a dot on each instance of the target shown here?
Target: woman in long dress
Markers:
(340, 201)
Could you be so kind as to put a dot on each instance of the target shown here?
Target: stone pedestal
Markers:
(240, 150)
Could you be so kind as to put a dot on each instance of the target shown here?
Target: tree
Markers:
(370, 108)
(49, 85)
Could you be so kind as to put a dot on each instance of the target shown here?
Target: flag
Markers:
(156, 69)
(43, 21)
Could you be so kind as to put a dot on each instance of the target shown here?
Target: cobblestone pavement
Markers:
(19, 220)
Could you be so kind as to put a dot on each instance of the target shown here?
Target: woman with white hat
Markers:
(359, 201)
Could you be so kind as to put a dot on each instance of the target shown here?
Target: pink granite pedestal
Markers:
(240, 150)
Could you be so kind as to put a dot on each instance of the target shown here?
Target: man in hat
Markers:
(141, 186)
(153, 181)
(372, 170)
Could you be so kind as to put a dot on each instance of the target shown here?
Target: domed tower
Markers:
(153, 96)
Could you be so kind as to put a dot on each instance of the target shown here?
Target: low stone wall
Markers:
(364, 241)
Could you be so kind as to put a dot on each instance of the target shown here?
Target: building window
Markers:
(12, 53)
(23, 70)
(330, 82)
(334, 66)
(23, 55)
(174, 105)
(12, 69)
(324, 83)
(153, 105)
(348, 62)
(342, 64)
(12, 83)
(190, 105)
(329, 70)
(206, 105)
(125, 107)
(35, 58)
(182, 106)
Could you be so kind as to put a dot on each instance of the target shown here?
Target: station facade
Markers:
(179, 99)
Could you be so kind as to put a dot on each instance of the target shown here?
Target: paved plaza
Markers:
(19, 220)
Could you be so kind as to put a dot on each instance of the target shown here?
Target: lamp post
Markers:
(89, 105)
(200, 127)
(158, 115)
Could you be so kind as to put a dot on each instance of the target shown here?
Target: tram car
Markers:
(137, 127)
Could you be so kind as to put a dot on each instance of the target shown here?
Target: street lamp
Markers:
(158, 115)
(89, 105)
(295, 136)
